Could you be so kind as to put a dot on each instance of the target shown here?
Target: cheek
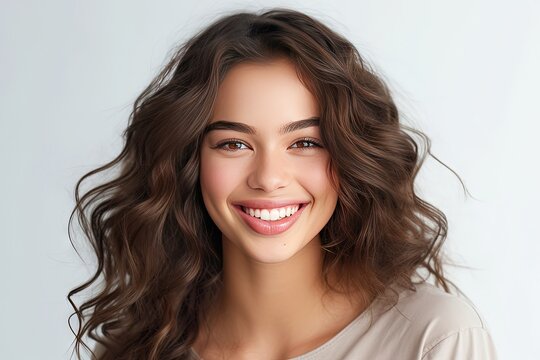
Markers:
(313, 174)
(218, 178)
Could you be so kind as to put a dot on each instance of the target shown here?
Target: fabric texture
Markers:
(428, 324)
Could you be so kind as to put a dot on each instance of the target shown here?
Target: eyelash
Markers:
(315, 143)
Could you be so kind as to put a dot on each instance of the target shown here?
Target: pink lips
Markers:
(265, 227)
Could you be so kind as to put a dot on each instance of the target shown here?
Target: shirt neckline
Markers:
(352, 324)
(330, 341)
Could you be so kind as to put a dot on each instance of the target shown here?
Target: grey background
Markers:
(465, 72)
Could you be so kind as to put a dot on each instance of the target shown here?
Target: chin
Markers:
(275, 257)
(271, 250)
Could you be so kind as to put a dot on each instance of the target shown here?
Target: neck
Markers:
(261, 295)
(282, 308)
(279, 303)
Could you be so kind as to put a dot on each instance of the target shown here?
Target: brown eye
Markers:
(231, 145)
(305, 144)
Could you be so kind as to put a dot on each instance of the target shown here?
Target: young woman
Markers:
(264, 208)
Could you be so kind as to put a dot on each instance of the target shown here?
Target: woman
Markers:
(265, 209)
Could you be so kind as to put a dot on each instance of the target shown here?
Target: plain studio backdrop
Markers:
(465, 72)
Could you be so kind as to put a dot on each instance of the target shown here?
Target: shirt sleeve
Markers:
(471, 343)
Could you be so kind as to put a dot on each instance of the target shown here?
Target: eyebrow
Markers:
(244, 128)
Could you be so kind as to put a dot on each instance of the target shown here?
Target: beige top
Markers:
(427, 324)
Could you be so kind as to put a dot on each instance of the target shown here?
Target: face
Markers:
(264, 171)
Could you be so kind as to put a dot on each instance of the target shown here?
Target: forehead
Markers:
(263, 95)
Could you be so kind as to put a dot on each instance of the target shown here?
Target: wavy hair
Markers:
(159, 255)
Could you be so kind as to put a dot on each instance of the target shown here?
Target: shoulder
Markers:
(427, 324)
(445, 325)
(432, 305)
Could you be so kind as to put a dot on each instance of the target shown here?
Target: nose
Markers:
(269, 172)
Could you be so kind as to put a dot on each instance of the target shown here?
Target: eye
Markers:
(306, 143)
(233, 145)
(230, 145)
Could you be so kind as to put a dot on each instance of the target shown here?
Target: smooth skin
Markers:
(272, 304)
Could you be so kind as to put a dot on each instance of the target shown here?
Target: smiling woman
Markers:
(265, 209)
(277, 165)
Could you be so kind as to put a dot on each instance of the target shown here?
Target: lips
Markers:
(266, 227)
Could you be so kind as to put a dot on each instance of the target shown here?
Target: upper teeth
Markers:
(272, 214)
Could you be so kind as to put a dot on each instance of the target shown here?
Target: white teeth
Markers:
(265, 214)
(271, 214)
(274, 214)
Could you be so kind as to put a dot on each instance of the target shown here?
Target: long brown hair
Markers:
(158, 251)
